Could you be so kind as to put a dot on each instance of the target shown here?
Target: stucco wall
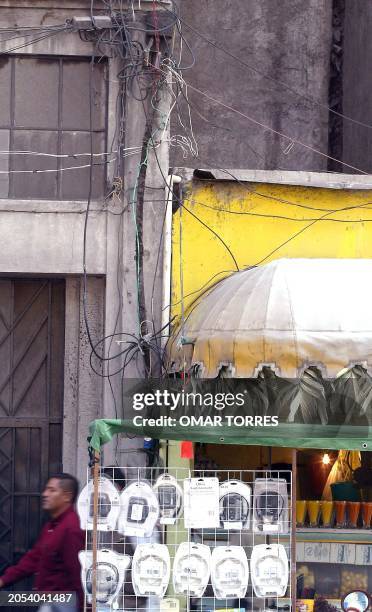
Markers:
(254, 219)
(47, 238)
(287, 39)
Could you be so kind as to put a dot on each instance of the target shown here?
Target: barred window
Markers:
(45, 108)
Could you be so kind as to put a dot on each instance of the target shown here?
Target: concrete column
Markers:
(83, 388)
(138, 115)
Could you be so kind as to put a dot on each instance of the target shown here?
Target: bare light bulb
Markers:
(326, 460)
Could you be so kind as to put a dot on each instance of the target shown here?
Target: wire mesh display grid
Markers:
(174, 534)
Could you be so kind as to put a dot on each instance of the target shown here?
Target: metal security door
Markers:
(32, 316)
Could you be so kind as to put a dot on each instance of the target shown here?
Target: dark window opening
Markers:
(335, 138)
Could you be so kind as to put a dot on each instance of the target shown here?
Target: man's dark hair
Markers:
(68, 483)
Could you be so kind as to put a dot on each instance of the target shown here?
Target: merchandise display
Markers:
(108, 505)
(170, 499)
(270, 505)
(269, 570)
(191, 569)
(229, 572)
(235, 504)
(110, 574)
(139, 510)
(190, 536)
(151, 570)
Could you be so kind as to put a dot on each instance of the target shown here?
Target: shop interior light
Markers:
(326, 459)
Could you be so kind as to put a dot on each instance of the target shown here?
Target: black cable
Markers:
(89, 199)
(205, 287)
(178, 199)
(295, 236)
(150, 31)
(213, 232)
(267, 76)
(189, 211)
(132, 351)
(193, 58)
(156, 267)
(218, 209)
(273, 130)
(33, 41)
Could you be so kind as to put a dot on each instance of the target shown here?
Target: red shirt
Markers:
(54, 558)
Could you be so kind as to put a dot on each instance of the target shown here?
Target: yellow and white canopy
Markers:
(289, 314)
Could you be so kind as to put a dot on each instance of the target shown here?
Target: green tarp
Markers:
(290, 435)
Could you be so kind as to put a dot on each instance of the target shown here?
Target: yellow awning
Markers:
(289, 314)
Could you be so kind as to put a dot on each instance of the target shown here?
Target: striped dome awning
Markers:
(289, 315)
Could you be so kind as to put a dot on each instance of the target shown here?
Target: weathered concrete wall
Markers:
(82, 387)
(357, 88)
(287, 39)
(47, 238)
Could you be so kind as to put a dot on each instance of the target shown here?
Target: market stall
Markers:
(294, 338)
(317, 534)
(215, 535)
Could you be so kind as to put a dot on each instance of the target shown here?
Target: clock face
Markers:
(107, 577)
(167, 497)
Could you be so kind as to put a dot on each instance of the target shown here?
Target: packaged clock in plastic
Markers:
(151, 570)
(139, 510)
(229, 572)
(201, 503)
(110, 574)
(270, 505)
(269, 570)
(235, 504)
(170, 498)
(191, 569)
(108, 505)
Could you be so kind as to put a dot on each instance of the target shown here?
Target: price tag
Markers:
(169, 605)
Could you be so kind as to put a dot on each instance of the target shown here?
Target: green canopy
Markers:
(310, 412)
(290, 435)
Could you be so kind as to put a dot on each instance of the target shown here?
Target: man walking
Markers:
(54, 558)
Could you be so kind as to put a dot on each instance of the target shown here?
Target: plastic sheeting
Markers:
(285, 435)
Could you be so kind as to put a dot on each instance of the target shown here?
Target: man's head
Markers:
(60, 492)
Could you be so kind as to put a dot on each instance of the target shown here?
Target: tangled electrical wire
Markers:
(140, 77)
(29, 35)
(136, 346)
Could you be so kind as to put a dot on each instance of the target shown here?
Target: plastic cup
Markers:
(366, 514)
(313, 509)
(326, 510)
(300, 512)
(340, 514)
(353, 509)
